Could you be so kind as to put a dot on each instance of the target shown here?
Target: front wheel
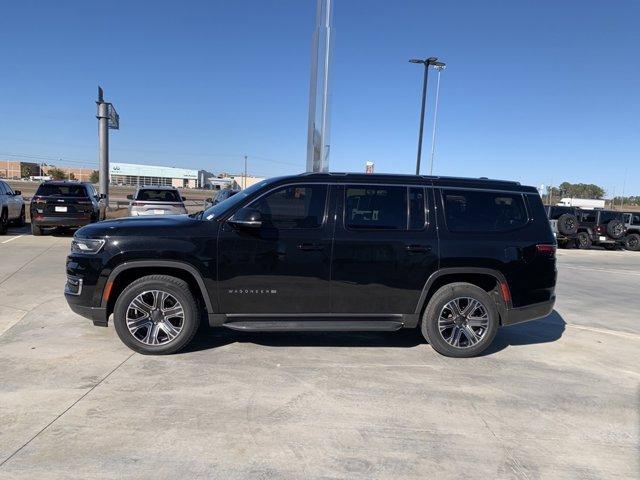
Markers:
(21, 219)
(156, 315)
(461, 320)
(4, 222)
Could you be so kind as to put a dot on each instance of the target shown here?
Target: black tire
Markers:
(173, 286)
(583, 240)
(4, 222)
(439, 304)
(615, 229)
(20, 222)
(36, 231)
(567, 224)
(632, 242)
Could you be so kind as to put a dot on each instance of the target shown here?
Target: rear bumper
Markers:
(513, 316)
(42, 221)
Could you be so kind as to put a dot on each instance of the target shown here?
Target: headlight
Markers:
(86, 245)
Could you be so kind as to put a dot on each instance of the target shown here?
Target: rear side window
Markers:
(50, 190)
(476, 211)
(556, 212)
(152, 195)
(377, 207)
(635, 219)
(588, 216)
(606, 217)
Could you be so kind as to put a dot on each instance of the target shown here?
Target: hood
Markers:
(155, 226)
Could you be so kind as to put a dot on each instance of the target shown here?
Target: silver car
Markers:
(156, 200)
(11, 207)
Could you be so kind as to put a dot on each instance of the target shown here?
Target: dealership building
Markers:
(134, 174)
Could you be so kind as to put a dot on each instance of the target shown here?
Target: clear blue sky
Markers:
(537, 91)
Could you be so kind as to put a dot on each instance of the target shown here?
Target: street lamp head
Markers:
(416, 60)
(439, 65)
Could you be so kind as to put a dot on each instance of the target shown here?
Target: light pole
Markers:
(439, 68)
(426, 62)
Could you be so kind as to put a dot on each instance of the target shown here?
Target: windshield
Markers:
(218, 209)
(52, 190)
(151, 195)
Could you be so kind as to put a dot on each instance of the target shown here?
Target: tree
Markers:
(25, 171)
(56, 173)
(94, 177)
(581, 190)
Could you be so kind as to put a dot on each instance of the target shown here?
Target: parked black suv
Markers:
(564, 224)
(342, 252)
(600, 227)
(63, 204)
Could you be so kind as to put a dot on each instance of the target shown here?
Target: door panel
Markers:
(384, 250)
(283, 266)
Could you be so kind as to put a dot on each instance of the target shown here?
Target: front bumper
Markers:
(96, 314)
(535, 311)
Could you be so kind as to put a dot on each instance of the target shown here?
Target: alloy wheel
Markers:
(463, 322)
(155, 317)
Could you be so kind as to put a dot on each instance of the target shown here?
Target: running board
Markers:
(315, 325)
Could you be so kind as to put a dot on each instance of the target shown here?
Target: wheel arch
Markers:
(488, 279)
(124, 274)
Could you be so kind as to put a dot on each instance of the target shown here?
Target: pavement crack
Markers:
(64, 411)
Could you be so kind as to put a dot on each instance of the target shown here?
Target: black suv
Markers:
(564, 224)
(63, 204)
(600, 227)
(339, 252)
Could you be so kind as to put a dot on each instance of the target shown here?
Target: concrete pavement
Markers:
(557, 398)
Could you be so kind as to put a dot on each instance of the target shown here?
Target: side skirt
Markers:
(320, 322)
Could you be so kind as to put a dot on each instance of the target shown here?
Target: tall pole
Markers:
(245, 173)
(318, 143)
(424, 103)
(435, 121)
(103, 149)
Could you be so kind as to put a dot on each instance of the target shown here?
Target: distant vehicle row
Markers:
(575, 227)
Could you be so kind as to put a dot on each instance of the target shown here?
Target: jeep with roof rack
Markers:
(456, 258)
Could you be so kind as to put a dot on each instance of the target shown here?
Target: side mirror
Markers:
(129, 197)
(246, 218)
(209, 200)
(183, 198)
(17, 192)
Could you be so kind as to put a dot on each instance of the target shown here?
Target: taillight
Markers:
(599, 229)
(548, 250)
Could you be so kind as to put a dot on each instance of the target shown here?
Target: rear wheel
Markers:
(4, 222)
(156, 315)
(632, 242)
(36, 231)
(461, 320)
(584, 242)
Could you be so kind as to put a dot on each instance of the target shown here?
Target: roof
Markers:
(340, 177)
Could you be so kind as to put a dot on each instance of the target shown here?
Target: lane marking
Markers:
(606, 270)
(12, 239)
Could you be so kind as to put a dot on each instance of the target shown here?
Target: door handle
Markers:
(310, 247)
(418, 248)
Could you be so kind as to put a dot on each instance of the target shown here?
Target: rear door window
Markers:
(480, 211)
(50, 190)
(153, 195)
(378, 207)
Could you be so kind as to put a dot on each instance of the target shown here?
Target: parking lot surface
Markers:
(555, 398)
